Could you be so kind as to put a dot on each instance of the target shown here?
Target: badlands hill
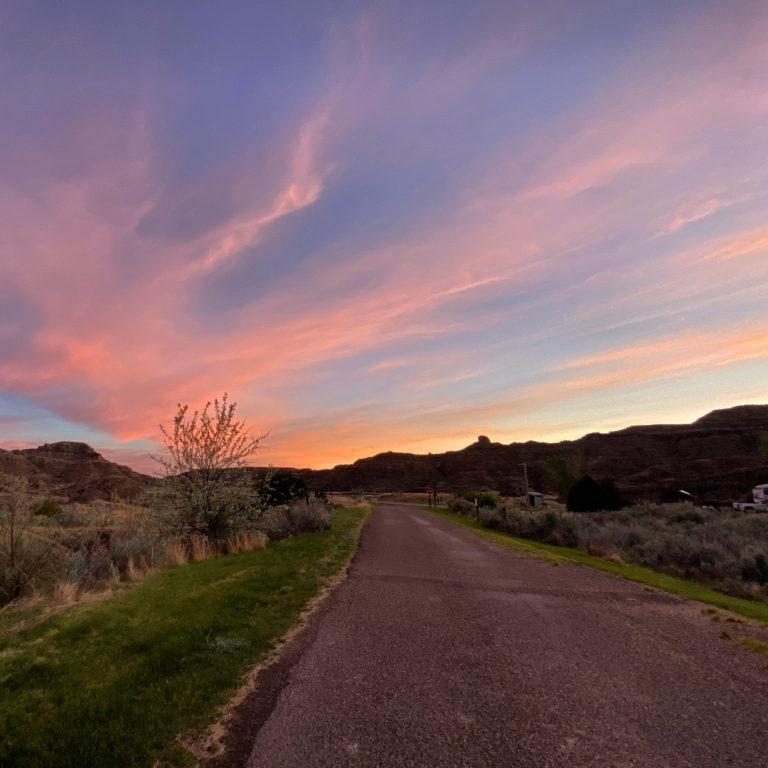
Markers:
(719, 457)
(73, 472)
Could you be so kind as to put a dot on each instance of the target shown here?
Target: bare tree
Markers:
(206, 490)
(22, 553)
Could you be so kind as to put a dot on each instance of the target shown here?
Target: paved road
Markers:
(442, 649)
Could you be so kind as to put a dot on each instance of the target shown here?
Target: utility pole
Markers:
(525, 474)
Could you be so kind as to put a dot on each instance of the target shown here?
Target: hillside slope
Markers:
(74, 472)
(719, 457)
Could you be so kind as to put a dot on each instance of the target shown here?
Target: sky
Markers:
(379, 226)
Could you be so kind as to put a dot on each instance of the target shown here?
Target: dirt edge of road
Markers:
(228, 742)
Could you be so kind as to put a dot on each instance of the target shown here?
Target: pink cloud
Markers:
(302, 188)
(117, 353)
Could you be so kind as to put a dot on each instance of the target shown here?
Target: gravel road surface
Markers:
(443, 649)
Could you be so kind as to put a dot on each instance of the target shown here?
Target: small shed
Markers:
(534, 499)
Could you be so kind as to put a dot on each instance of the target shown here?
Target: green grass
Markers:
(755, 645)
(694, 590)
(113, 683)
(11, 615)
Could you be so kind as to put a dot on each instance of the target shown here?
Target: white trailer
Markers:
(759, 501)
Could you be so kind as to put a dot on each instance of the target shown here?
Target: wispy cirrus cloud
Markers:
(302, 188)
(431, 235)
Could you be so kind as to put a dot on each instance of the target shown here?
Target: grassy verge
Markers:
(755, 645)
(114, 682)
(752, 609)
(11, 615)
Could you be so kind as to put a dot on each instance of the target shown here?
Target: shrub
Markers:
(584, 496)
(484, 498)
(755, 569)
(279, 487)
(461, 505)
(610, 496)
(728, 548)
(587, 495)
(565, 532)
(489, 517)
(48, 507)
(142, 547)
(65, 519)
(75, 567)
(290, 519)
(24, 555)
(89, 561)
(559, 473)
(545, 525)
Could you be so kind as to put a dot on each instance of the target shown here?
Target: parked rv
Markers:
(759, 501)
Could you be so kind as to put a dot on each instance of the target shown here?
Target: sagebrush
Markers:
(726, 547)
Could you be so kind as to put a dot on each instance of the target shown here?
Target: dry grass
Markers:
(65, 593)
(39, 607)
(117, 512)
(200, 549)
(175, 554)
(244, 541)
(347, 501)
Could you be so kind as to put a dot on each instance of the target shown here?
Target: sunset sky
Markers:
(380, 226)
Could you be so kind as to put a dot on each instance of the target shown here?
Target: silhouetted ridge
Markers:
(740, 414)
(720, 457)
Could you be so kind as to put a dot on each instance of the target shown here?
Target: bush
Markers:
(559, 473)
(727, 548)
(484, 498)
(489, 517)
(610, 496)
(24, 555)
(48, 508)
(89, 557)
(587, 495)
(143, 548)
(291, 519)
(584, 496)
(461, 506)
(278, 487)
(75, 567)
(65, 519)
(545, 525)
(755, 569)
